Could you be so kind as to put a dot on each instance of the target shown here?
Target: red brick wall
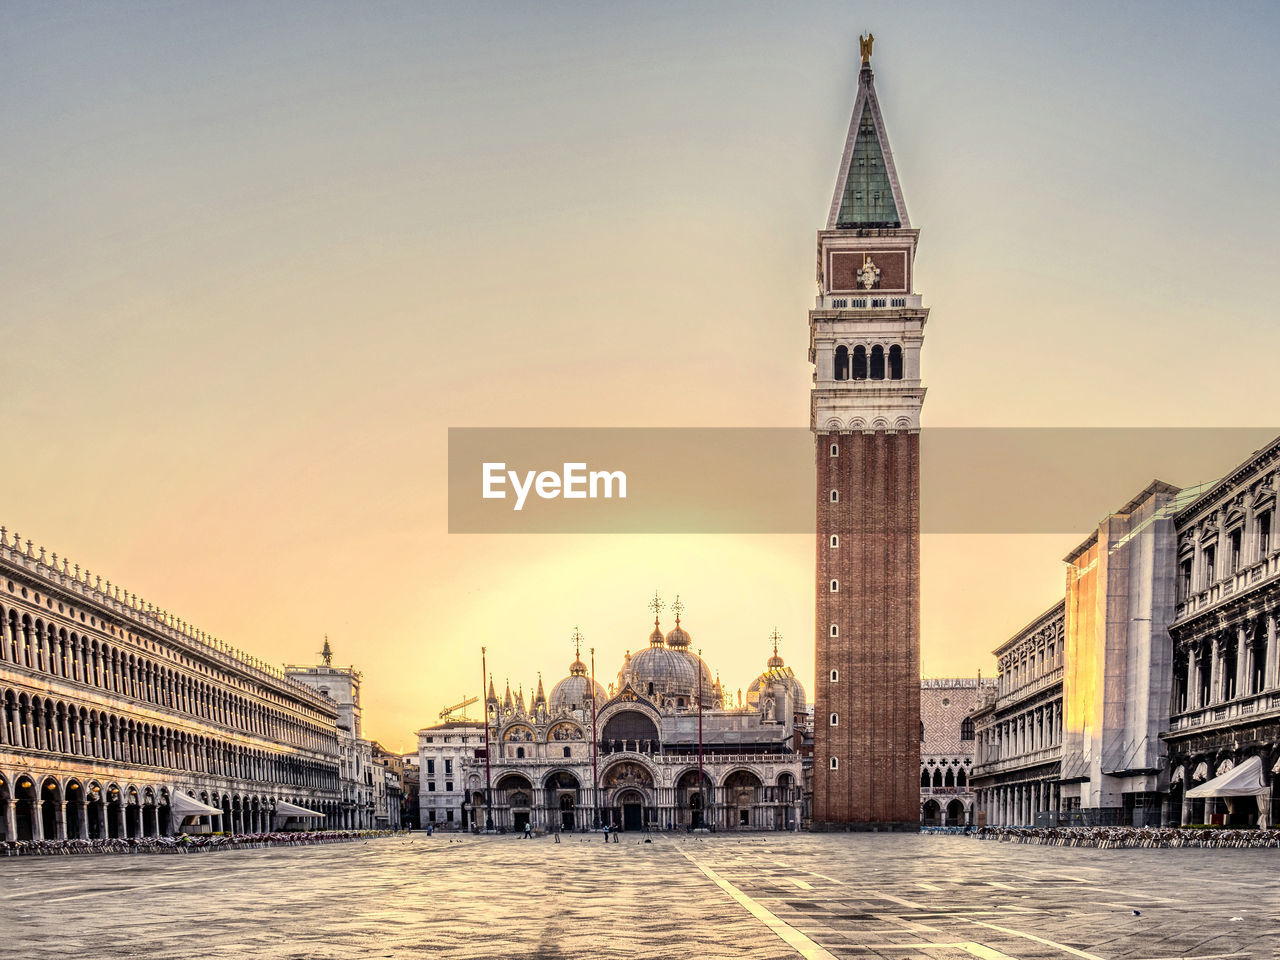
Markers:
(878, 612)
(893, 264)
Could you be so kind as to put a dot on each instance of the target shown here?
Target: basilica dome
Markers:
(777, 673)
(667, 668)
(574, 691)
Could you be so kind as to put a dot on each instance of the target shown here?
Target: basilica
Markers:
(662, 747)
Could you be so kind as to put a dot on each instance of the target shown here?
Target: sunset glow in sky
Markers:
(257, 259)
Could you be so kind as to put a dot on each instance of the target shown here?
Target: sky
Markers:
(257, 259)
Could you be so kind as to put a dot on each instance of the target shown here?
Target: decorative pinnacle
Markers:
(678, 607)
(864, 46)
(577, 643)
(775, 637)
(656, 606)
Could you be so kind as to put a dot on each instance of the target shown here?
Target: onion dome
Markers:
(678, 638)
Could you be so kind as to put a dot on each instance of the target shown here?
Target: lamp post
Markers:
(488, 791)
(595, 773)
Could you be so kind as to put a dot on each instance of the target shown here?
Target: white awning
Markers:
(285, 809)
(1244, 780)
(185, 806)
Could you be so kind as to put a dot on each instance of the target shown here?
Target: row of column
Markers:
(1245, 666)
(1027, 732)
(1017, 805)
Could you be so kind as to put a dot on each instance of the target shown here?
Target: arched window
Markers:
(835, 586)
(966, 728)
(961, 779)
(520, 753)
(924, 779)
(895, 362)
(835, 676)
(835, 719)
(859, 363)
(842, 363)
(835, 496)
(835, 631)
(877, 362)
(950, 779)
(835, 763)
(937, 777)
(835, 450)
(835, 540)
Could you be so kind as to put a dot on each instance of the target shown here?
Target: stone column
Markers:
(82, 821)
(60, 819)
(1244, 662)
(11, 820)
(120, 818)
(1215, 672)
(1271, 681)
(37, 819)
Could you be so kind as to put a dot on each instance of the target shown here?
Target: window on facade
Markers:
(431, 766)
(835, 540)
(1184, 579)
(835, 676)
(566, 751)
(1235, 542)
(877, 362)
(835, 631)
(448, 815)
(431, 786)
(448, 766)
(1210, 571)
(1264, 535)
(835, 719)
(448, 786)
(835, 496)
(895, 362)
(519, 753)
(859, 363)
(966, 728)
(841, 371)
(835, 763)
(835, 449)
(835, 586)
(1229, 664)
(431, 815)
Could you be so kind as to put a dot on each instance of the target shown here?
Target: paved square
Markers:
(750, 896)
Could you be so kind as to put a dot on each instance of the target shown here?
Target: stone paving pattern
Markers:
(859, 896)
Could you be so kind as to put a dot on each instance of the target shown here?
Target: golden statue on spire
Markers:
(864, 46)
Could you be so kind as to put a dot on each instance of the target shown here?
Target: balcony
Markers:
(1028, 689)
(872, 300)
(1225, 714)
(1238, 582)
(1052, 754)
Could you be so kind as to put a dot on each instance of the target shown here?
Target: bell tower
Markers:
(865, 334)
